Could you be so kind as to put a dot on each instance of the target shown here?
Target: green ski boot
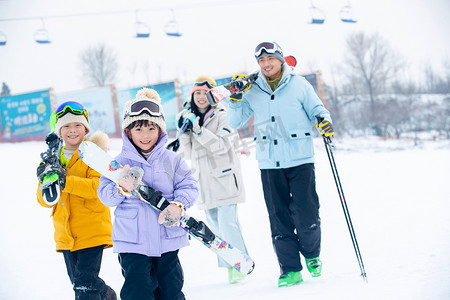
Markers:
(234, 276)
(314, 266)
(290, 278)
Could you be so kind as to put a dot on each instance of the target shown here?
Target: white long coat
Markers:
(214, 160)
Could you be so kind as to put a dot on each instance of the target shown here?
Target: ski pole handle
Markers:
(326, 139)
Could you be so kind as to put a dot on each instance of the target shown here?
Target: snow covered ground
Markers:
(398, 196)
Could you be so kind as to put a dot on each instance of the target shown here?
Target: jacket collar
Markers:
(130, 151)
(288, 71)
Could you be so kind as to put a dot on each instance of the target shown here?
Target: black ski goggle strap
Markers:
(145, 105)
(269, 47)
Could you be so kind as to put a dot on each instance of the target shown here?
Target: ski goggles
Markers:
(144, 106)
(206, 80)
(269, 47)
(73, 108)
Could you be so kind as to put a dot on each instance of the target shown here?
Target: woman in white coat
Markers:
(210, 143)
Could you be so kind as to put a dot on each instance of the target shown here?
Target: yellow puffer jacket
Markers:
(80, 219)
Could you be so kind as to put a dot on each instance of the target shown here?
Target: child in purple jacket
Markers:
(148, 250)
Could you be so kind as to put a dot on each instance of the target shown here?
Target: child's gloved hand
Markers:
(127, 182)
(171, 215)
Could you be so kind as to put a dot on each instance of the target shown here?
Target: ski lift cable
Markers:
(132, 11)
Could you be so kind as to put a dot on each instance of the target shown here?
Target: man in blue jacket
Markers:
(284, 105)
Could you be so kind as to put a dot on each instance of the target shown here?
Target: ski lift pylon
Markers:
(3, 39)
(41, 35)
(172, 27)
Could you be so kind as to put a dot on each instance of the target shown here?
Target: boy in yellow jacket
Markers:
(82, 223)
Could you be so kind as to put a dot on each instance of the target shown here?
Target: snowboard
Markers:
(51, 190)
(102, 162)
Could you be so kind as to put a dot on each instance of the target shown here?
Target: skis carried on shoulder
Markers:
(221, 92)
(102, 162)
(51, 190)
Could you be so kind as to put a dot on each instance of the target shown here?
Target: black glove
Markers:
(325, 128)
(44, 170)
(236, 96)
(40, 171)
(239, 87)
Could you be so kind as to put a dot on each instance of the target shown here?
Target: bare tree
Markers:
(437, 81)
(132, 69)
(5, 90)
(372, 64)
(99, 65)
(146, 70)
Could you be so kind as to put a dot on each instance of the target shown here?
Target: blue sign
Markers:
(25, 116)
(168, 100)
(99, 105)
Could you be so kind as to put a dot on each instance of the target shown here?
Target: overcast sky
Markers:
(218, 37)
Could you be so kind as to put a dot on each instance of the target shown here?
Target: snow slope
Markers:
(398, 197)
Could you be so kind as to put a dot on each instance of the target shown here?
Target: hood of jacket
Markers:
(131, 152)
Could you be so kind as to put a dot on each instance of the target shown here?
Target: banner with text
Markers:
(25, 116)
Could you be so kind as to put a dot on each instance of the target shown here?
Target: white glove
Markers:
(171, 215)
(130, 178)
(196, 126)
(185, 115)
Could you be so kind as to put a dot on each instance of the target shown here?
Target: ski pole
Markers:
(328, 145)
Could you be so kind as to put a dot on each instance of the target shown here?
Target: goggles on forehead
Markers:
(202, 80)
(71, 107)
(269, 47)
(208, 84)
(144, 106)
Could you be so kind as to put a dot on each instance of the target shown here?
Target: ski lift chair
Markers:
(41, 35)
(142, 30)
(317, 15)
(3, 39)
(346, 14)
(172, 27)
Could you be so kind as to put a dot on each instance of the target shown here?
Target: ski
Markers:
(51, 190)
(102, 162)
(221, 92)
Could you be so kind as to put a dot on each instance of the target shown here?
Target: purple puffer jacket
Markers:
(136, 228)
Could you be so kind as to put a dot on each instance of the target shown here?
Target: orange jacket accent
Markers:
(80, 219)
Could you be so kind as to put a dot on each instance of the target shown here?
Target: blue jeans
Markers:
(224, 222)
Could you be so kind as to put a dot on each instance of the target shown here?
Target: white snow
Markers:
(397, 194)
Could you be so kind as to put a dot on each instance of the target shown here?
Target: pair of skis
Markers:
(51, 189)
(219, 93)
(102, 162)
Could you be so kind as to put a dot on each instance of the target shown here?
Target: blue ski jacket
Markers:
(282, 119)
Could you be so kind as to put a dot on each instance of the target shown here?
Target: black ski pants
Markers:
(151, 278)
(293, 207)
(83, 267)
